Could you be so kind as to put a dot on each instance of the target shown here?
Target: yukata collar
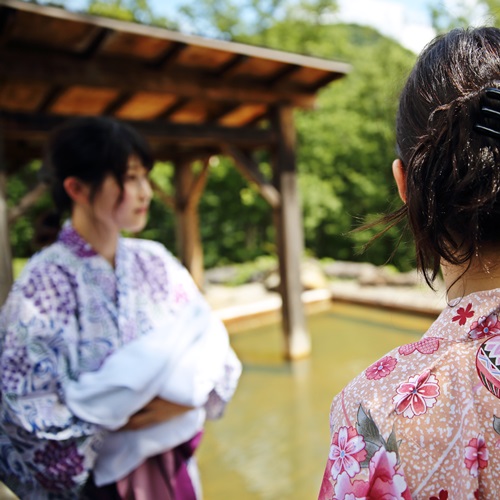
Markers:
(69, 237)
(469, 318)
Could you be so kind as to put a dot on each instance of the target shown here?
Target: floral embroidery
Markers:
(383, 481)
(476, 455)
(416, 395)
(381, 368)
(61, 463)
(347, 451)
(463, 314)
(484, 326)
(52, 291)
(180, 295)
(150, 277)
(15, 370)
(443, 495)
(427, 345)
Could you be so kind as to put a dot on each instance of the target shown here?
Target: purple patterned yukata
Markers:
(69, 312)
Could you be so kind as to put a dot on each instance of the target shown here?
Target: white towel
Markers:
(181, 365)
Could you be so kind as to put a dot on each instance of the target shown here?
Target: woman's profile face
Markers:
(125, 210)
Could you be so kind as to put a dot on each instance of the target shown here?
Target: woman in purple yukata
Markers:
(423, 422)
(111, 360)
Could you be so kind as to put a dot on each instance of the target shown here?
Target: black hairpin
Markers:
(492, 130)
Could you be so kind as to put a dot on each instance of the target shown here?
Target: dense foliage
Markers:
(345, 146)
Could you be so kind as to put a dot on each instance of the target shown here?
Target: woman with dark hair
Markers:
(110, 358)
(423, 422)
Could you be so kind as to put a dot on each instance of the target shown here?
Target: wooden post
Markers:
(188, 191)
(289, 234)
(6, 276)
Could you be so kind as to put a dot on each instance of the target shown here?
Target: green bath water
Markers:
(273, 441)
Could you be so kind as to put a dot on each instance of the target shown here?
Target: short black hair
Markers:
(91, 148)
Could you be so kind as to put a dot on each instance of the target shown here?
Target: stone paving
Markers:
(250, 299)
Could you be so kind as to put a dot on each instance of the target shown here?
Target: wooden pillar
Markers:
(6, 276)
(188, 191)
(289, 234)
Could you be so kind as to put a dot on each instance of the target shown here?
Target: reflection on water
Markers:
(273, 441)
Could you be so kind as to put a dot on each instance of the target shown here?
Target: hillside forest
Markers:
(345, 146)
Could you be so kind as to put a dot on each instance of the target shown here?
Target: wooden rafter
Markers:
(115, 105)
(23, 126)
(51, 97)
(131, 76)
(169, 56)
(7, 16)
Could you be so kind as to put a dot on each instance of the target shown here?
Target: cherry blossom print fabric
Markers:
(423, 422)
(66, 314)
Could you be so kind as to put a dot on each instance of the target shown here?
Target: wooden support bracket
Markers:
(250, 170)
(28, 200)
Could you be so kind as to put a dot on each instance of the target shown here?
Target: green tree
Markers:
(347, 146)
(464, 14)
(230, 19)
(492, 11)
(129, 10)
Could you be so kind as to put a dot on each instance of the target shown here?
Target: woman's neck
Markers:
(103, 240)
(481, 273)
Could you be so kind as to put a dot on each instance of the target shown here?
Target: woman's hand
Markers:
(155, 412)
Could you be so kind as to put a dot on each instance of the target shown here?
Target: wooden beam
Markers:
(231, 65)
(289, 233)
(95, 43)
(27, 201)
(164, 197)
(6, 275)
(20, 152)
(283, 74)
(198, 186)
(187, 223)
(250, 170)
(7, 19)
(226, 109)
(176, 106)
(21, 126)
(116, 104)
(52, 96)
(169, 56)
(31, 65)
(324, 81)
(170, 153)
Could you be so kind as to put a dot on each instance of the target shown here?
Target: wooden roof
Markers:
(181, 91)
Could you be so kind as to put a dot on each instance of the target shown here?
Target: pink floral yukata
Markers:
(423, 422)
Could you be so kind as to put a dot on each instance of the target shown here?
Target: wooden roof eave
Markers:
(182, 38)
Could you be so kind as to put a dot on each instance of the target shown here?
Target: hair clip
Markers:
(491, 114)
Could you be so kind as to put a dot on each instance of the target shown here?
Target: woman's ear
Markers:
(400, 178)
(77, 190)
